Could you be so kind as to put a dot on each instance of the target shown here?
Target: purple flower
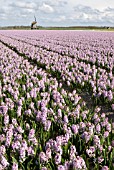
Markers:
(2, 137)
(30, 151)
(31, 133)
(4, 162)
(96, 140)
(19, 110)
(28, 112)
(43, 157)
(14, 121)
(112, 143)
(66, 119)
(57, 158)
(100, 148)
(72, 152)
(86, 136)
(67, 165)
(48, 153)
(6, 119)
(22, 154)
(100, 159)
(105, 168)
(3, 109)
(109, 148)
(79, 163)
(16, 145)
(20, 102)
(47, 125)
(61, 167)
(91, 151)
(59, 113)
(15, 166)
(112, 106)
(2, 149)
(24, 144)
(20, 130)
(108, 127)
(98, 128)
(75, 128)
(106, 134)
(27, 126)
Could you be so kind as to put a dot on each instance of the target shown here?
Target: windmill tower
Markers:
(34, 24)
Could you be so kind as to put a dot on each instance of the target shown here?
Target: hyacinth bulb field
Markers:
(56, 93)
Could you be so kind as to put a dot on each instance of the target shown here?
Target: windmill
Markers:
(34, 24)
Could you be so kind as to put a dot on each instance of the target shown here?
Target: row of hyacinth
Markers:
(43, 126)
(83, 45)
(99, 82)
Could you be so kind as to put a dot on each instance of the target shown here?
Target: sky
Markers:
(57, 12)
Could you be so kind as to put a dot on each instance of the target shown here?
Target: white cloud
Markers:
(57, 12)
(92, 16)
(46, 8)
(20, 4)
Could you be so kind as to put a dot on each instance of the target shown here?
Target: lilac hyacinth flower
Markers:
(20, 102)
(100, 148)
(22, 154)
(98, 128)
(9, 135)
(48, 153)
(100, 159)
(112, 106)
(30, 151)
(28, 112)
(14, 122)
(3, 109)
(20, 130)
(61, 167)
(66, 119)
(79, 163)
(91, 151)
(4, 162)
(75, 128)
(2, 137)
(19, 111)
(106, 134)
(96, 140)
(103, 115)
(57, 158)
(105, 168)
(6, 119)
(44, 168)
(1, 167)
(109, 148)
(108, 127)
(43, 157)
(24, 144)
(86, 136)
(16, 145)
(31, 133)
(27, 126)
(2, 149)
(73, 149)
(47, 125)
(15, 166)
(112, 143)
(67, 165)
(59, 113)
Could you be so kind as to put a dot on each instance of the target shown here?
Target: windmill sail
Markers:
(33, 24)
(35, 18)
